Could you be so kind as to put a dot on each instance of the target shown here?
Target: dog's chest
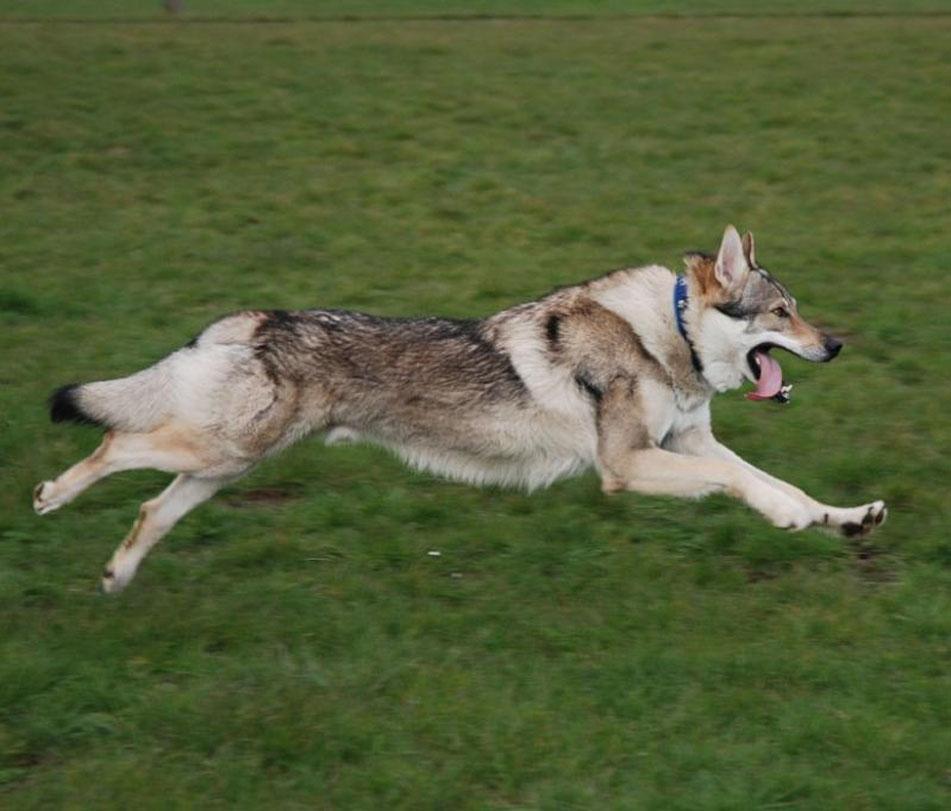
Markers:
(688, 398)
(672, 412)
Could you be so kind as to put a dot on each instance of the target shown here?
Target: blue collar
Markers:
(680, 307)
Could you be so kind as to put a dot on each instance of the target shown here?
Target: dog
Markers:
(616, 373)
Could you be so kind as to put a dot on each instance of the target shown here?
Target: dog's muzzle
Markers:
(832, 347)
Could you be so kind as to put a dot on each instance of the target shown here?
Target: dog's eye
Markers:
(781, 312)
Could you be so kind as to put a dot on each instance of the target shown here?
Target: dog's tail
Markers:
(135, 403)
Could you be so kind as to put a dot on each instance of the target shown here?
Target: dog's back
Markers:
(443, 393)
(615, 373)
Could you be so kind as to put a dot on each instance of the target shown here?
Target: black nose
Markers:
(832, 346)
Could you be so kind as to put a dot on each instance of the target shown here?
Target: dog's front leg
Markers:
(659, 472)
(848, 521)
(630, 460)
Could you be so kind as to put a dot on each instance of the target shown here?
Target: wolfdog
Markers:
(616, 373)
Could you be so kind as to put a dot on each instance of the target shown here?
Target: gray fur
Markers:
(760, 293)
(593, 375)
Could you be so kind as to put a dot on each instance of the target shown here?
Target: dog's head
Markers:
(745, 312)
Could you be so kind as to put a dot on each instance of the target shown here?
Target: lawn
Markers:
(294, 643)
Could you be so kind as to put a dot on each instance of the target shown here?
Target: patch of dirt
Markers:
(872, 564)
(758, 575)
(262, 497)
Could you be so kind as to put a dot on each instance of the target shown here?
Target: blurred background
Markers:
(293, 642)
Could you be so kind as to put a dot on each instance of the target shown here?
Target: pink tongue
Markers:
(770, 378)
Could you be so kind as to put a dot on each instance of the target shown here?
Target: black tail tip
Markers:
(64, 408)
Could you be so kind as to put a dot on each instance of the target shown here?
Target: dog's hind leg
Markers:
(165, 449)
(156, 518)
(51, 495)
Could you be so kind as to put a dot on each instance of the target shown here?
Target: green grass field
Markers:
(292, 644)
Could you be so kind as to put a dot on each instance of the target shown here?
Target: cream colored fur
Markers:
(600, 379)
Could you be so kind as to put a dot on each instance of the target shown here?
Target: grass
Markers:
(255, 10)
(292, 643)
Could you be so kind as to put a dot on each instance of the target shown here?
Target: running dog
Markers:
(616, 373)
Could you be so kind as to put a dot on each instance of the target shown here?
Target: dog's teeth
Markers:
(784, 394)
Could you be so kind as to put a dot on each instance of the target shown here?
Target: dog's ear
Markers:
(749, 249)
(731, 268)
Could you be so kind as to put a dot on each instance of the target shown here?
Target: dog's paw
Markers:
(864, 519)
(114, 579)
(43, 501)
(789, 514)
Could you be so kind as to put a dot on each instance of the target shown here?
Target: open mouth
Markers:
(768, 375)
